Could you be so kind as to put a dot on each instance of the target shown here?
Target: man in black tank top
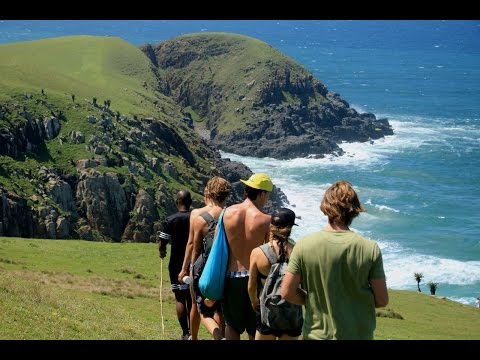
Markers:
(174, 230)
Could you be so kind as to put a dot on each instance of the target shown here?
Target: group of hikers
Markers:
(334, 276)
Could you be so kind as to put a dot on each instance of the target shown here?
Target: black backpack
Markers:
(206, 246)
(276, 312)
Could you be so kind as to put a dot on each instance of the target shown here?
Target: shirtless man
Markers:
(246, 227)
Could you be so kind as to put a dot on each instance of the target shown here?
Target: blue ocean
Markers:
(421, 186)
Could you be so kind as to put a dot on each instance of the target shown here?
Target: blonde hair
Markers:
(217, 189)
(341, 204)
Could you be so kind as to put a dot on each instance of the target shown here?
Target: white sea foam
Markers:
(386, 208)
(465, 300)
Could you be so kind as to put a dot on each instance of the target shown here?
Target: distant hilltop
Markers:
(254, 100)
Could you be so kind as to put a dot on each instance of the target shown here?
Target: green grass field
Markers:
(70, 289)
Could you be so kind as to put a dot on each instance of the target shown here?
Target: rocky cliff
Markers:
(120, 192)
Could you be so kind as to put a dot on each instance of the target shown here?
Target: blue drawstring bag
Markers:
(212, 280)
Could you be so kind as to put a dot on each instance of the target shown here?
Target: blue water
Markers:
(421, 186)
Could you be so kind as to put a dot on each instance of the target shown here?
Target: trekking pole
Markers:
(161, 301)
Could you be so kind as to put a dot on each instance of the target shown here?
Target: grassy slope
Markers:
(87, 66)
(246, 59)
(56, 289)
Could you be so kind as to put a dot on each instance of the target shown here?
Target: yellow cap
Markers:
(259, 181)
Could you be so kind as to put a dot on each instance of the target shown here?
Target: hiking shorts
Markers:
(174, 267)
(236, 305)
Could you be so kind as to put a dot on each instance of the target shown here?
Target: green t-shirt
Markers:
(335, 268)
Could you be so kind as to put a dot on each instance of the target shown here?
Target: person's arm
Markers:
(252, 279)
(377, 279)
(380, 292)
(164, 238)
(291, 291)
(198, 225)
(162, 249)
(188, 249)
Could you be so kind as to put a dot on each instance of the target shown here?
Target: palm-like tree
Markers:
(418, 278)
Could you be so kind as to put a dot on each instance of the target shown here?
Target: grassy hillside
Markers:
(55, 289)
(87, 66)
(224, 73)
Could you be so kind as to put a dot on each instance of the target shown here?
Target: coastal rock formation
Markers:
(28, 134)
(256, 101)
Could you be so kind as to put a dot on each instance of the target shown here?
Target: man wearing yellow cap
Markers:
(246, 227)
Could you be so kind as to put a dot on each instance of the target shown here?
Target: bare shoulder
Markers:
(196, 212)
(260, 259)
(260, 216)
(233, 209)
(198, 221)
(234, 213)
(255, 253)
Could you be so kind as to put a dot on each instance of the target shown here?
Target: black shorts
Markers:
(174, 268)
(237, 308)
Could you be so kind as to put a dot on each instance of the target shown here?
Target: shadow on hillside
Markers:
(43, 154)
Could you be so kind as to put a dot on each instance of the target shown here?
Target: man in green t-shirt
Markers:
(341, 272)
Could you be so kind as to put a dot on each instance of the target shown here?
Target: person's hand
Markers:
(209, 302)
(181, 274)
(163, 253)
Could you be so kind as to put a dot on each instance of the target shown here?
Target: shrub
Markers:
(433, 287)
(388, 313)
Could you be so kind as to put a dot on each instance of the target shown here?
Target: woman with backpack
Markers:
(282, 321)
(216, 194)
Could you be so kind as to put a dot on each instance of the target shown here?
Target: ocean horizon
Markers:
(420, 186)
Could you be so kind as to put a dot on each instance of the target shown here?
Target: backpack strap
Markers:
(209, 219)
(211, 222)
(269, 253)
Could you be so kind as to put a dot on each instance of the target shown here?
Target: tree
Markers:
(433, 287)
(418, 278)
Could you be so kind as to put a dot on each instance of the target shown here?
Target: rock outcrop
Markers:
(16, 217)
